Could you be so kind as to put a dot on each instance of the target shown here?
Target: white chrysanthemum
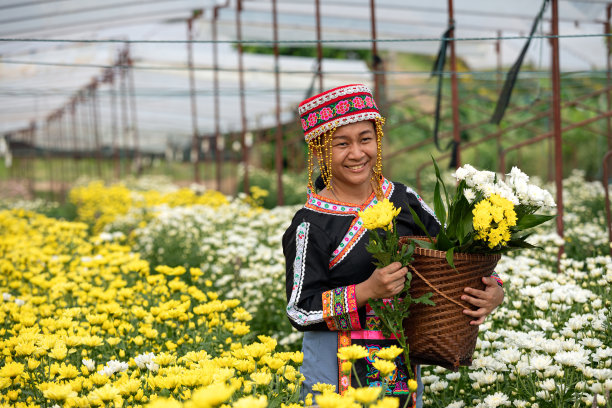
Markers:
(90, 364)
(577, 359)
(456, 404)
(548, 385)
(142, 360)
(510, 355)
(496, 400)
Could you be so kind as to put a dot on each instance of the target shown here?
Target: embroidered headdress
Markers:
(323, 113)
(336, 107)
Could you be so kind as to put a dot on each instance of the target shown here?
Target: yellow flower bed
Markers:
(86, 323)
(98, 204)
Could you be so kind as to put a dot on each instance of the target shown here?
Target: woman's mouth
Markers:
(356, 167)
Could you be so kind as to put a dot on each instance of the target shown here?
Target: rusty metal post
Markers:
(75, 154)
(96, 130)
(195, 149)
(48, 131)
(606, 187)
(608, 69)
(114, 127)
(376, 61)
(60, 154)
(279, 135)
(556, 118)
(243, 120)
(218, 138)
(499, 59)
(124, 110)
(133, 110)
(31, 158)
(454, 86)
(319, 45)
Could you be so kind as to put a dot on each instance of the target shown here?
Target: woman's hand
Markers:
(383, 283)
(485, 300)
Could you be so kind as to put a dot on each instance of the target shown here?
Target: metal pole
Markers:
(375, 57)
(499, 59)
(124, 111)
(319, 45)
(556, 117)
(49, 155)
(133, 110)
(279, 135)
(606, 187)
(195, 150)
(454, 86)
(243, 120)
(94, 107)
(60, 154)
(114, 127)
(74, 136)
(218, 138)
(609, 67)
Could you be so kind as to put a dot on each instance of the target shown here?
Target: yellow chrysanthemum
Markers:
(384, 367)
(251, 402)
(412, 385)
(11, 370)
(389, 353)
(492, 220)
(261, 378)
(366, 395)
(324, 388)
(380, 215)
(352, 352)
(59, 392)
(211, 395)
(386, 402)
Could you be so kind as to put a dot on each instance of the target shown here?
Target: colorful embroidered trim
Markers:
(300, 316)
(344, 380)
(356, 230)
(340, 309)
(325, 205)
(337, 107)
(397, 382)
(499, 281)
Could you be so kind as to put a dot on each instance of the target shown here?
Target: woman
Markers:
(330, 275)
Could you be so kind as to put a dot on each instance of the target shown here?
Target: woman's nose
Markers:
(355, 151)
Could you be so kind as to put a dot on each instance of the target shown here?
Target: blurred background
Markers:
(206, 92)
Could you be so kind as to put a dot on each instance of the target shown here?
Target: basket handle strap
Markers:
(461, 305)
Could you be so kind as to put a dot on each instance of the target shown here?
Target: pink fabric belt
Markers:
(369, 335)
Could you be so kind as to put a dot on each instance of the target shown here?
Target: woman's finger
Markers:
(474, 301)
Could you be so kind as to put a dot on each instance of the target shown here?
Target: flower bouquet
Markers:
(385, 247)
(485, 218)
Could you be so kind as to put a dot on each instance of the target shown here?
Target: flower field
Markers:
(176, 297)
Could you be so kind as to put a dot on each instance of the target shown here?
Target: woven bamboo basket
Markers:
(442, 334)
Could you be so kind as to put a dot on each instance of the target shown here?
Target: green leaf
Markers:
(520, 243)
(424, 244)
(449, 257)
(418, 222)
(532, 220)
(441, 182)
(425, 299)
(444, 243)
(438, 206)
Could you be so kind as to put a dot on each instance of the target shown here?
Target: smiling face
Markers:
(354, 151)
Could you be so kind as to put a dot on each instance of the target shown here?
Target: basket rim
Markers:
(460, 256)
